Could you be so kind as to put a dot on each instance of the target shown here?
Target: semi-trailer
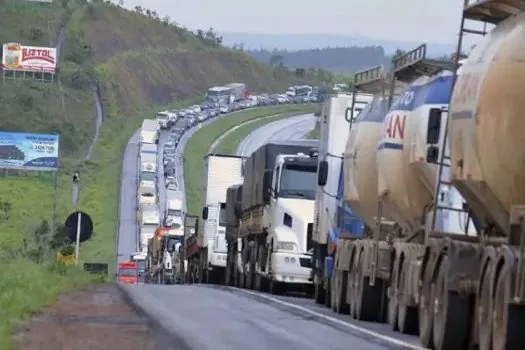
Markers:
(334, 128)
(220, 172)
(276, 217)
(149, 131)
(449, 265)
(238, 90)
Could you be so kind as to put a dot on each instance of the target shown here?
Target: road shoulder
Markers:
(99, 317)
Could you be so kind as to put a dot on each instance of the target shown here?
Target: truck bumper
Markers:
(217, 259)
(291, 268)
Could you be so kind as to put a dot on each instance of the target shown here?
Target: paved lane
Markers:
(216, 319)
(293, 128)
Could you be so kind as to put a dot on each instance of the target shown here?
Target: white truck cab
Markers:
(292, 203)
(217, 247)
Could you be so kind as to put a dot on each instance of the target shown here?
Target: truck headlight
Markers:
(281, 245)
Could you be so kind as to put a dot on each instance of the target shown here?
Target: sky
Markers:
(403, 20)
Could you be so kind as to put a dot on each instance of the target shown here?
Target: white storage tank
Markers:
(360, 165)
(487, 123)
(406, 180)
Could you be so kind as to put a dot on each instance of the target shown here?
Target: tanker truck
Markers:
(384, 268)
(476, 285)
(276, 212)
(334, 127)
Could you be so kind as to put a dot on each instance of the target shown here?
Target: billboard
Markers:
(28, 151)
(18, 57)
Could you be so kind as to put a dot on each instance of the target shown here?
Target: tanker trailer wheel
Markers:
(452, 314)
(508, 320)
(368, 299)
(242, 279)
(334, 290)
(407, 317)
(227, 271)
(393, 305)
(485, 308)
(426, 308)
(328, 292)
(342, 306)
(318, 291)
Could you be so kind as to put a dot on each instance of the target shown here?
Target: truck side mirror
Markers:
(322, 173)
(267, 184)
(237, 209)
(205, 213)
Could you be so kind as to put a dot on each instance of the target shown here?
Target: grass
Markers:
(230, 143)
(314, 134)
(25, 287)
(198, 146)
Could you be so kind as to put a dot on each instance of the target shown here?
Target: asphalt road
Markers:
(201, 317)
(287, 129)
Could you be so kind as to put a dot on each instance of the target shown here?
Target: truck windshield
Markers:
(298, 181)
(222, 215)
(162, 116)
(147, 176)
(174, 212)
(173, 243)
(127, 272)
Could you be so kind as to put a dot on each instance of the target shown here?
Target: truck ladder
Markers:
(488, 12)
(369, 81)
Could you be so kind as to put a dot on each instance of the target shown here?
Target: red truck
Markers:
(127, 272)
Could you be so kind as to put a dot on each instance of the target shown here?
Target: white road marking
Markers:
(339, 322)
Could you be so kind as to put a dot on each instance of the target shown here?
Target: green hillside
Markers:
(140, 63)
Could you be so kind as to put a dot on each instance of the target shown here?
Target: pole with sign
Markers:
(77, 244)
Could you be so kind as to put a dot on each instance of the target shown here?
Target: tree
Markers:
(276, 61)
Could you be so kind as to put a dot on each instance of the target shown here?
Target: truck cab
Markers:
(140, 259)
(217, 247)
(292, 202)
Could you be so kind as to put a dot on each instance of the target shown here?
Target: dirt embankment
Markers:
(97, 318)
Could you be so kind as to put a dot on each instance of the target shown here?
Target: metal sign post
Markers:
(77, 244)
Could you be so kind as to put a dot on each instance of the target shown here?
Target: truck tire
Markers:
(368, 299)
(407, 316)
(342, 306)
(426, 308)
(319, 294)
(453, 317)
(276, 288)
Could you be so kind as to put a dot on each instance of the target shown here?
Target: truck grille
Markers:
(305, 262)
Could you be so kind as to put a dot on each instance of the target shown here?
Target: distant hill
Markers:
(338, 60)
(294, 42)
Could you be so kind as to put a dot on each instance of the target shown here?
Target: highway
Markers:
(294, 128)
(205, 317)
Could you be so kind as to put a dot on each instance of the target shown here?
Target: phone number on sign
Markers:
(42, 148)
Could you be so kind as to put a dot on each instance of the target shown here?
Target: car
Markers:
(224, 109)
(195, 108)
(146, 198)
(168, 160)
(173, 186)
(169, 172)
(169, 145)
(170, 179)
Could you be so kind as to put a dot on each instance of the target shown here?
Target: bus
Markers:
(220, 95)
(299, 91)
(127, 272)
